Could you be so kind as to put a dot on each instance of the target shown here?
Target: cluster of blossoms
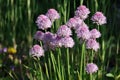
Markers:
(45, 21)
(62, 38)
(82, 30)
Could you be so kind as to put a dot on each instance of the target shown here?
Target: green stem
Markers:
(81, 2)
(47, 74)
(68, 66)
(98, 27)
(54, 64)
(91, 77)
(82, 60)
(96, 5)
(92, 56)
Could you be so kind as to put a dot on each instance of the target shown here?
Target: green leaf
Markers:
(110, 75)
(118, 77)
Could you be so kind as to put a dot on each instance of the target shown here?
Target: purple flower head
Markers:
(67, 42)
(91, 68)
(73, 22)
(81, 25)
(64, 31)
(48, 37)
(43, 22)
(48, 40)
(83, 32)
(57, 42)
(5, 50)
(52, 14)
(39, 35)
(82, 12)
(99, 18)
(92, 44)
(95, 34)
(37, 51)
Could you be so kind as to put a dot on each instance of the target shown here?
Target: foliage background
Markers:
(17, 23)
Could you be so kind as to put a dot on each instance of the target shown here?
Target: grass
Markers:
(17, 27)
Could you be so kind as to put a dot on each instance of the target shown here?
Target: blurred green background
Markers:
(17, 19)
(17, 23)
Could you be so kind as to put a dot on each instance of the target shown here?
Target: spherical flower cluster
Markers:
(48, 40)
(98, 18)
(83, 32)
(92, 44)
(52, 14)
(48, 37)
(67, 42)
(36, 51)
(91, 68)
(95, 34)
(73, 22)
(57, 41)
(82, 12)
(39, 35)
(43, 22)
(64, 31)
(81, 25)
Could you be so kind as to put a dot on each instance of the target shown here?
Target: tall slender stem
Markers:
(68, 65)
(98, 27)
(96, 5)
(82, 60)
(91, 77)
(92, 56)
(81, 2)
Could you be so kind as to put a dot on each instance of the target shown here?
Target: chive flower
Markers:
(64, 31)
(99, 18)
(52, 14)
(92, 44)
(82, 12)
(43, 22)
(73, 22)
(36, 51)
(57, 41)
(95, 34)
(48, 40)
(91, 68)
(67, 42)
(83, 32)
(39, 35)
(81, 25)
